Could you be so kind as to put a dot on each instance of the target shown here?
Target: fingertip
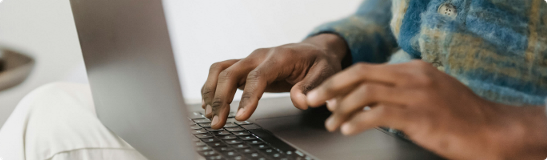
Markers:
(329, 124)
(299, 100)
(240, 115)
(215, 122)
(331, 104)
(208, 111)
(346, 129)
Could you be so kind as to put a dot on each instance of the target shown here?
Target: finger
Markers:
(381, 115)
(227, 84)
(315, 76)
(256, 83)
(351, 77)
(366, 95)
(332, 104)
(208, 89)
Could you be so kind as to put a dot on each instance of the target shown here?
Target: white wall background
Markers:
(203, 32)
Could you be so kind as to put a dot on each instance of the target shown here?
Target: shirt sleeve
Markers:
(366, 32)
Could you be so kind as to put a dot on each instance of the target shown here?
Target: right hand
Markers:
(297, 67)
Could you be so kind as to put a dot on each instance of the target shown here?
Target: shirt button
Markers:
(448, 10)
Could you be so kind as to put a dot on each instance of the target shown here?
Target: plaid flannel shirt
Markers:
(498, 48)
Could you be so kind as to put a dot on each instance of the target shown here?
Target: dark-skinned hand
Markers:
(435, 110)
(295, 68)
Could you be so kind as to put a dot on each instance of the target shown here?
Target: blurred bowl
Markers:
(15, 67)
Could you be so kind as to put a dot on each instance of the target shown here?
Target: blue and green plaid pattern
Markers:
(496, 47)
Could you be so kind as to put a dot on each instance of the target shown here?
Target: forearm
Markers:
(366, 33)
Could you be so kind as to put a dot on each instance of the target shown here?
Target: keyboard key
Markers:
(229, 137)
(235, 129)
(202, 120)
(230, 125)
(253, 155)
(262, 146)
(255, 142)
(222, 133)
(269, 150)
(205, 125)
(199, 131)
(246, 150)
(201, 136)
(243, 122)
(195, 127)
(231, 120)
(248, 137)
(200, 144)
(208, 153)
(232, 115)
(225, 148)
(210, 129)
(235, 141)
(240, 146)
(208, 140)
(216, 144)
(229, 153)
(196, 140)
(242, 133)
(251, 126)
(214, 158)
(206, 148)
(237, 158)
(196, 115)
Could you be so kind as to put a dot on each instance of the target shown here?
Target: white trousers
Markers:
(58, 122)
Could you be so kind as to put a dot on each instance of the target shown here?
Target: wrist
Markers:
(333, 44)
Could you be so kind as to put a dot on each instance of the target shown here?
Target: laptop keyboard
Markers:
(239, 140)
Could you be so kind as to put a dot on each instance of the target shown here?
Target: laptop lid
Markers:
(132, 74)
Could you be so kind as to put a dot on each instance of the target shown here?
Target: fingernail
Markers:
(346, 129)
(240, 112)
(215, 120)
(208, 110)
(202, 101)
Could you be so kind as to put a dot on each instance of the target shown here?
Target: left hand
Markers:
(435, 110)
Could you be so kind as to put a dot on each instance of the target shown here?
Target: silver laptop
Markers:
(137, 93)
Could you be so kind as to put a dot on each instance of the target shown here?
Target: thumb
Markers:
(314, 78)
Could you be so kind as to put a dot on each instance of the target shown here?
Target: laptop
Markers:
(136, 89)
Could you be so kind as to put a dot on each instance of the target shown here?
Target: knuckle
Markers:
(205, 91)
(254, 75)
(225, 75)
(216, 66)
(260, 51)
(217, 103)
(246, 96)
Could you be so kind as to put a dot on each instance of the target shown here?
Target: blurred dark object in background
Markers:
(2, 64)
(14, 68)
